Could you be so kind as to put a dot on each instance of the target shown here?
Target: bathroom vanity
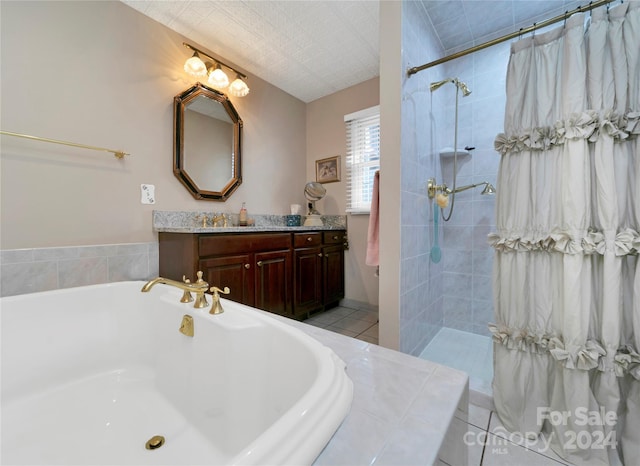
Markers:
(291, 271)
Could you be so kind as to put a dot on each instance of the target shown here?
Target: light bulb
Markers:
(238, 87)
(218, 78)
(195, 66)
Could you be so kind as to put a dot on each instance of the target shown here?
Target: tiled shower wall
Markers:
(421, 303)
(467, 258)
(457, 292)
(42, 269)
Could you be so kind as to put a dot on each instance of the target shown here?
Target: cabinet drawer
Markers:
(333, 237)
(303, 240)
(235, 244)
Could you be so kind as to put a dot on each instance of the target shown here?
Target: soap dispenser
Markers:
(242, 218)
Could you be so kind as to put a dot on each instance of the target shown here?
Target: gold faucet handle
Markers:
(215, 290)
(216, 307)
(186, 295)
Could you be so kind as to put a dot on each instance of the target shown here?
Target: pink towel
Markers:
(373, 239)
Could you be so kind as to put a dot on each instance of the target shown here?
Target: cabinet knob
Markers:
(335, 237)
(326, 255)
(309, 239)
(247, 266)
(320, 254)
(259, 264)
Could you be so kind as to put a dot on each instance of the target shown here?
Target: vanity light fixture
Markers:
(217, 78)
(238, 87)
(195, 66)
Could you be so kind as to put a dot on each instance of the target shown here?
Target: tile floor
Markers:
(356, 323)
(488, 443)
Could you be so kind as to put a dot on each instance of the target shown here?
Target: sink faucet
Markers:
(216, 218)
(199, 288)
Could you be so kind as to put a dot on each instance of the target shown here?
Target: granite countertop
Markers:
(247, 229)
(191, 222)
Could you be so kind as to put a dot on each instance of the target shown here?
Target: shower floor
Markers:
(467, 352)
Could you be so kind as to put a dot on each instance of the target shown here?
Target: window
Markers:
(363, 157)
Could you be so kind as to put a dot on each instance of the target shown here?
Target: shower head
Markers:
(488, 189)
(462, 86)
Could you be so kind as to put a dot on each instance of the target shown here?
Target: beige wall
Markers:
(326, 137)
(100, 73)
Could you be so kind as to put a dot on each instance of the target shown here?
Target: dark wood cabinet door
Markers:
(273, 281)
(290, 274)
(307, 282)
(333, 273)
(235, 271)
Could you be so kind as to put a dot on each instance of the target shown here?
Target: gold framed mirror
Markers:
(207, 153)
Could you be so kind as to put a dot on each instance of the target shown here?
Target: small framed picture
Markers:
(328, 170)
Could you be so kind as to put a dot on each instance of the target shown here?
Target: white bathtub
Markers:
(90, 374)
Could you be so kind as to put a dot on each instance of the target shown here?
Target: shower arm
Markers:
(433, 188)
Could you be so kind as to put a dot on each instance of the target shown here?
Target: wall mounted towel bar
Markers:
(117, 153)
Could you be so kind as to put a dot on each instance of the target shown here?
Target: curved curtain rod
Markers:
(562, 17)
(117, 153)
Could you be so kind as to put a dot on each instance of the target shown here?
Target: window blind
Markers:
(363, 158)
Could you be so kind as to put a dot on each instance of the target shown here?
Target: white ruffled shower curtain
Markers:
(566, 269)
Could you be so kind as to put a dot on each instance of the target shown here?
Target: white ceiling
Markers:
(313, 48)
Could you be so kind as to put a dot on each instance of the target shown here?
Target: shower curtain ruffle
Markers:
(590, 242)
(585, 125)
(566, 276)
(591, 355)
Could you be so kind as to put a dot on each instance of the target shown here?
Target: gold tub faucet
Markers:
(186, 326)
(199, 288)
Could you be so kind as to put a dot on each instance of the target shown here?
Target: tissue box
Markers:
(293, 220)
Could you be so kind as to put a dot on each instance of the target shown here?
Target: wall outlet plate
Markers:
(148, 194)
